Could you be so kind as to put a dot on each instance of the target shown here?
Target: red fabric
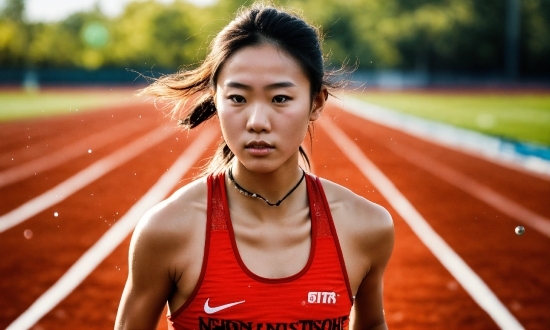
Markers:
(318, 297)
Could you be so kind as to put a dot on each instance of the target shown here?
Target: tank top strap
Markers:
(217, 202)
(320, 214)
(322, 217)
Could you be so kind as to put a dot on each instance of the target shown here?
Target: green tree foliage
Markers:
(535, 50)
(12, 46)
(424, 35)
(153, 34)
(14, 10)
(13, 34)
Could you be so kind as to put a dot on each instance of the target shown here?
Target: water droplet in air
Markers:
(520, 230)
(55, 214)
(28, 234)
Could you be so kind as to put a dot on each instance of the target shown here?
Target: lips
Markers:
(259, 148)
(258, 145)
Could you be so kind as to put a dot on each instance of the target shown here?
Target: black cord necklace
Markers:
(251, 194)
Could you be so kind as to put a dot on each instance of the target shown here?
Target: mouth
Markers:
(258, 145)
(259, 148)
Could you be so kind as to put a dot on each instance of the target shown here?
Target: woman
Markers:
(257, 243)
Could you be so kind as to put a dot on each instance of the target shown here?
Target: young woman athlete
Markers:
(257, 243)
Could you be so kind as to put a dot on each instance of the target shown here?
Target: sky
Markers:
(55, 10)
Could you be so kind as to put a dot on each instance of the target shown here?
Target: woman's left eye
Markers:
(280, 99)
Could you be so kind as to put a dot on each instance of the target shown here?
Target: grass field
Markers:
(517, 116)
(18, 104)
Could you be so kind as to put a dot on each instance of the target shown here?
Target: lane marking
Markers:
(473, 284)
(83, 178)
(470, 142)
(476, 189)
(92, 258)
(70, 152)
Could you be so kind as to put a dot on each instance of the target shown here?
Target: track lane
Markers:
(27, 139)
(466, 277)
(83, 178)
(115, 235)
(419, 293)
(95, 301)
(70, 152)
(417, 287)
(32, 265)
(484, 237)
(35, 185)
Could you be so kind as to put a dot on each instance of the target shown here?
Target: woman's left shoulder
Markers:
(356, 216)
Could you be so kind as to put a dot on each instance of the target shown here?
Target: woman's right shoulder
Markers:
(180, 216)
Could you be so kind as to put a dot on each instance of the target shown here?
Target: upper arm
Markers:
(149, 282)
(378, 239)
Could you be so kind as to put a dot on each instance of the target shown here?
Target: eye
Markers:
(237, 98)
(280, 99)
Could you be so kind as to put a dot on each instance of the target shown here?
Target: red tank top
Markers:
(229, 296)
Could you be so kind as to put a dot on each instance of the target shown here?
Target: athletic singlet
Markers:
(229, 296)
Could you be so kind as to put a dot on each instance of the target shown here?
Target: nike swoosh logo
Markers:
(212, 310)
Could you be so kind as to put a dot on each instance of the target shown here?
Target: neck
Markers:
(265, 189)
(249, 193)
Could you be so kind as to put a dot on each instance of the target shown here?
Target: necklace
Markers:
(251, 194)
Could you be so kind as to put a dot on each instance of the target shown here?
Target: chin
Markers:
(259, 166)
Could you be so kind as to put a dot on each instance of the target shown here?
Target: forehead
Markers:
(259, 64)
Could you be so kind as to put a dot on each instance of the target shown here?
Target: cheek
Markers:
(294, 126)
(229, 124)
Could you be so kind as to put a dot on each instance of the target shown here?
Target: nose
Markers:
(258, 119)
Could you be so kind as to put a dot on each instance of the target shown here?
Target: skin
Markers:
(264, 108)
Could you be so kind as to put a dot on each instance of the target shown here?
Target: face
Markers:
(264, 107)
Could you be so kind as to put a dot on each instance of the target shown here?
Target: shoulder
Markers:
(366, 224)
(357, 209)
(176, 220)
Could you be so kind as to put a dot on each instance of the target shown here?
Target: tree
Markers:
(14, 10)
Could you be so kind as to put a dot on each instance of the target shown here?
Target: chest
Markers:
(273, 251)
(230, 292)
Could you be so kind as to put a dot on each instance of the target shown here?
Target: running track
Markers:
(72, 188)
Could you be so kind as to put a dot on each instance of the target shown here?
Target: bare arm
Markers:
(165, 258)
(149, 284)
(368, 306)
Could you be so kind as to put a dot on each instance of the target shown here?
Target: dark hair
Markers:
(256, 25)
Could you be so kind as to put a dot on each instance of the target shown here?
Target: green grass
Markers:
(517, 116)
(15, 105)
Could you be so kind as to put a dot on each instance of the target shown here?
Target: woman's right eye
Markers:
(237, 98)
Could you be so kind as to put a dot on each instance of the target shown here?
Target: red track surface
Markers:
(419, 292)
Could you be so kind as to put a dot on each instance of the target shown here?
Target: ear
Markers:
(318, 104)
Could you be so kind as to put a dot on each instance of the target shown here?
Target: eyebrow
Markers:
(281, 84)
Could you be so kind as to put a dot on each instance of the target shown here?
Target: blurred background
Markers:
(394, 43)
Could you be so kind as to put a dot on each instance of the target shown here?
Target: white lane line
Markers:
(72, 151)
(476, 189)
(83, 178)
(114, 236)
(469, 280)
